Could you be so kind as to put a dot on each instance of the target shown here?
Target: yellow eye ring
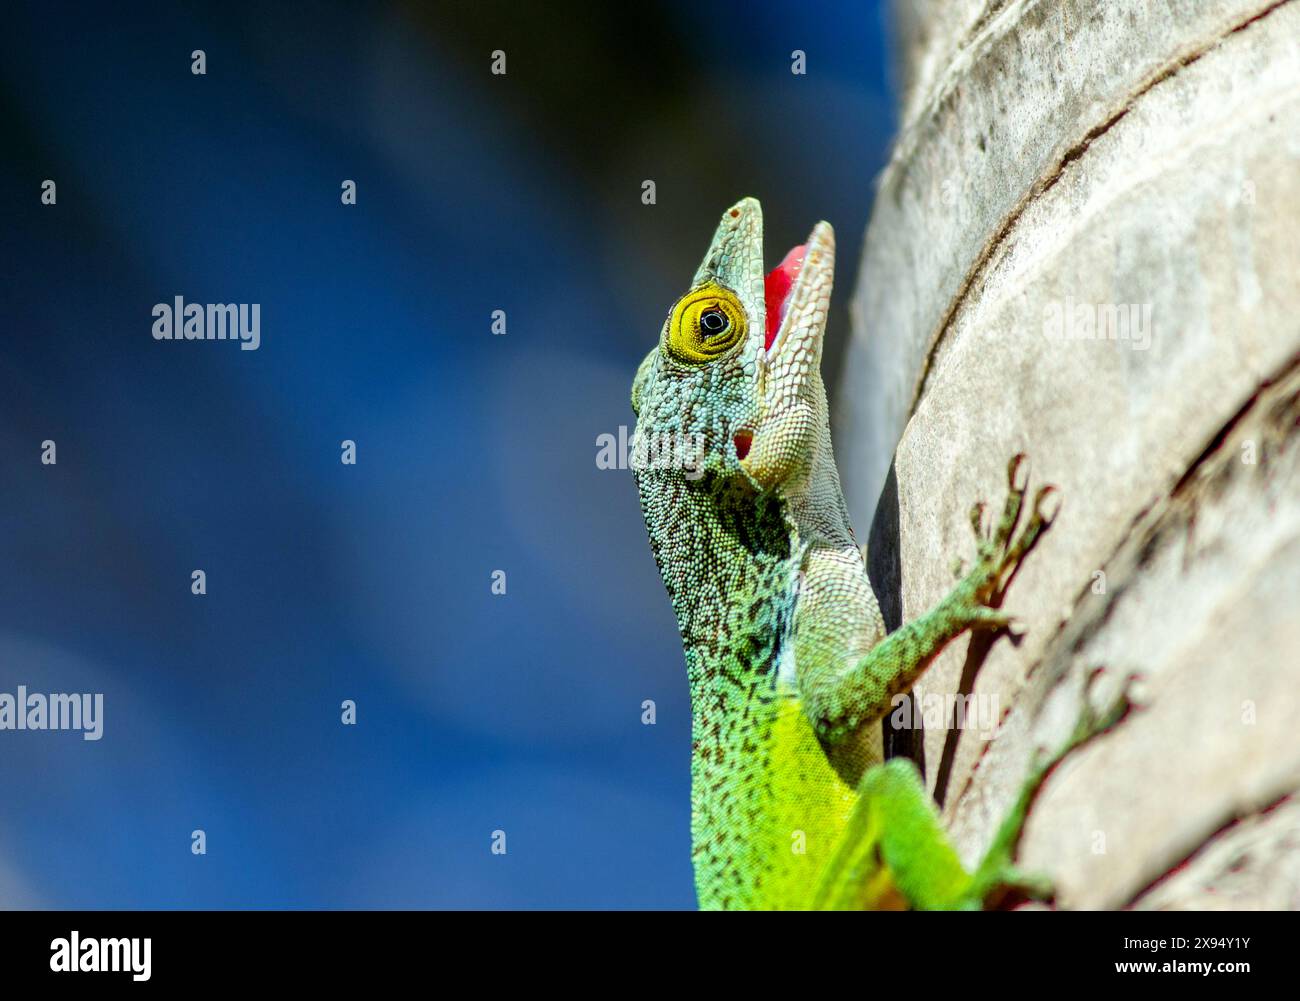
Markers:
(706, 323)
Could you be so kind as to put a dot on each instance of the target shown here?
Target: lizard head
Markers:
(735, 381)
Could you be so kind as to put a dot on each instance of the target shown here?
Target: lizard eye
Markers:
(705, 324)
(713, 322)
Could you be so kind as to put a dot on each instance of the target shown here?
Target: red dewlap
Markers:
(776, 289)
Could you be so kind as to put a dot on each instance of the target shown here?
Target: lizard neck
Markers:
(729, 560)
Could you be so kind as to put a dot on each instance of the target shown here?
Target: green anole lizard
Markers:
(789, 664)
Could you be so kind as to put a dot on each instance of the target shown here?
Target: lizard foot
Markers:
(1093, 722)
(999, 883)
(1014, 887)
(1001, 551)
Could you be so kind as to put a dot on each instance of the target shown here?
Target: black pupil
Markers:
(713, 322)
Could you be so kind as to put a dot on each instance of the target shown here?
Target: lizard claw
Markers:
(977, 522)
(1047, 505)
(1017, 481)
(1091, 722)
(999, 555)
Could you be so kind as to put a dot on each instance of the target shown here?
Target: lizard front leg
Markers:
(844, 688)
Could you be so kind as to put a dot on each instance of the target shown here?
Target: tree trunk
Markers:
(1086, 247)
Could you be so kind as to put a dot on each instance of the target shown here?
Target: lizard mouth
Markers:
(777, 286)
(778, 289)
(797, 293)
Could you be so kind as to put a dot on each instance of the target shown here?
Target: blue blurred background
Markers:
(474, 453)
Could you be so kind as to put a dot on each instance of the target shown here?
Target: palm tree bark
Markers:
(1084, 247)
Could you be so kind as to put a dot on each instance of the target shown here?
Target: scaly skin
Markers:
(788, 661)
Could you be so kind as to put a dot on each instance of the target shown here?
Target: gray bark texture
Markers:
(1086, 247)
